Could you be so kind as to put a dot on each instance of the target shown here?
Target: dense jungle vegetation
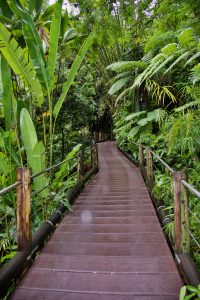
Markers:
(131, 67)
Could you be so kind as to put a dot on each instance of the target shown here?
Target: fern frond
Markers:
(118, 85)
(183, 55)
(159, 92)
(118, 76)
(170, 49)
(122, 95)
(187, 105)
(187, 38)
(195, 74)
(195, 56)
(122, 66)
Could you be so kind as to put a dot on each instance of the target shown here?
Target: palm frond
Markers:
(122, 66)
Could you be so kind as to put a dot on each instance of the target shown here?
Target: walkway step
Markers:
(110, 220)
(111, 249)
(136, 238)
(121, 207)
(131, 284)
(58, 295)
(112, 213)
(106, 264)
(111, 228)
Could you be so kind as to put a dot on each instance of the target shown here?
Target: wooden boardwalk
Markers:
(111, 247)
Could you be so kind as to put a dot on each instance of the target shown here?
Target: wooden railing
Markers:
(183, 234)
(27, 245)
(100, 136)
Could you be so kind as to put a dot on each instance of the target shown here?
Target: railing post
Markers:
(23, 210)
(80, 165)
(96, 136)
(140, 155)
(177, 211)
(94, 154)
(149, 168)
(185, 215)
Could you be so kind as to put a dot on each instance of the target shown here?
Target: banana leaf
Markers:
(18, 61)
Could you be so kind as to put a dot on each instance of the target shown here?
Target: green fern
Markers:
(187, 38)
(118, 85)
(195, 74)
(122, 66)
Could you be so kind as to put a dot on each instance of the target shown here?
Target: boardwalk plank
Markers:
(111, 247)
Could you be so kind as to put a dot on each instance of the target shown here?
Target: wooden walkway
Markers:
(111, 247)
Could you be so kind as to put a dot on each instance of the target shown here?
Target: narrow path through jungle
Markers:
(110, 247)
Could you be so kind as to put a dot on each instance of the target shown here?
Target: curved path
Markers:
(111, 247)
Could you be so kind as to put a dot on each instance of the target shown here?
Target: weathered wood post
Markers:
(149, 169)
(94, 154)
(140, 155)
(177, 211)
(96, 136)
(185, 215)
(80, 165)
(23, 210)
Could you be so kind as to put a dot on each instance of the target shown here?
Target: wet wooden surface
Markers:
(110, 247)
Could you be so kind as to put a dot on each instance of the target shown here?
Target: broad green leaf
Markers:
(33, 42)
(64, 23)
(53, 40)
(18, 61)
(70, 155)
(156, 115)
(189, 297)
(182, 293)
(143, 122)
(118, 76)
(28, 133)
(72, 73)
(6, 91)
(74, 151)
(135, 115)
(133, 131)
(37, 164)
(118, 85)
(192, 289)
